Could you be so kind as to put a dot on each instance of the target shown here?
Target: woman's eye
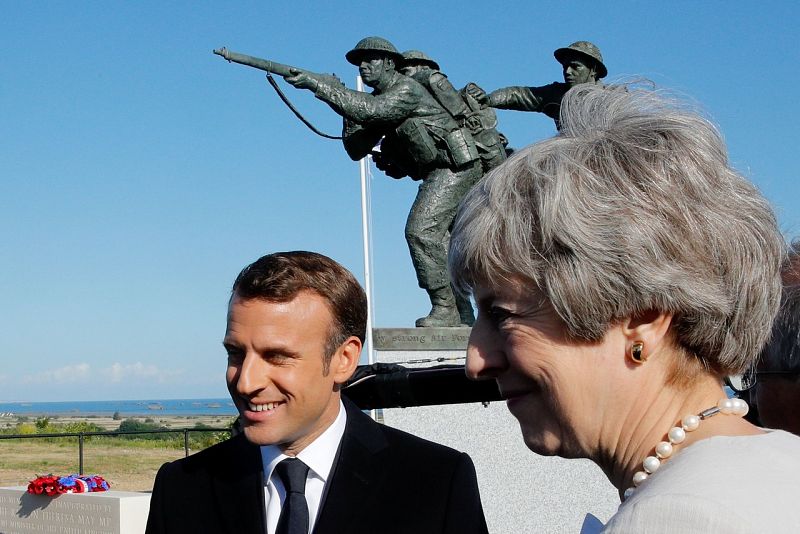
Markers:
(498, 315)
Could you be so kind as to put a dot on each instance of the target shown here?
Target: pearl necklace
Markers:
(677, 434)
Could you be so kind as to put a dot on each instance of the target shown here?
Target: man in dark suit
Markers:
(307, 461)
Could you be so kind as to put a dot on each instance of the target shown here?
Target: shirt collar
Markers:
(318, 455)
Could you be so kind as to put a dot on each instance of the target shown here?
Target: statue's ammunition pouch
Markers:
(430, 144)
(488, 141)
(478, 121)
(461, 147)
(418, 142)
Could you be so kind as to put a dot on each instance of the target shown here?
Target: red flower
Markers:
(52, 485)
(47, 484)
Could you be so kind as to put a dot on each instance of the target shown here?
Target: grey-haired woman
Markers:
(621, 269)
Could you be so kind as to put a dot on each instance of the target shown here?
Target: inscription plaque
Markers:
(443, 338)
(117, 512)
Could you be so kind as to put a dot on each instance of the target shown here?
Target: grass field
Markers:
(125, 468)
(127, 464)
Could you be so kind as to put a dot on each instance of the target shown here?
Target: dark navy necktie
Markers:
(294, 514)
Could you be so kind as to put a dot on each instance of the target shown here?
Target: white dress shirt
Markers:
(318, 456)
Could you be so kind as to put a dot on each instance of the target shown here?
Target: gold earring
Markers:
(636, 352)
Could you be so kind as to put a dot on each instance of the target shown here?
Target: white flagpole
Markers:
(365, 227)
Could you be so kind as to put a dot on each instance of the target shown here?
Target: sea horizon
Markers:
(140, 407)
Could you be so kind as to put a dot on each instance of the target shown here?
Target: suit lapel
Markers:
(238, 488)
(357, 470)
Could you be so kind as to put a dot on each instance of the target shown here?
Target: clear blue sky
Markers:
(139, 173)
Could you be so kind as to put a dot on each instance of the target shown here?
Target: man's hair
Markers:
(280, 276)
(632, 207)
(782, 353)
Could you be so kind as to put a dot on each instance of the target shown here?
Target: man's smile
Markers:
(269, 406)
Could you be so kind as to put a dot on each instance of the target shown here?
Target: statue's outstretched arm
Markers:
(393, 106)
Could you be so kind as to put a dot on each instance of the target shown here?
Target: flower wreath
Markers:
(52, 485)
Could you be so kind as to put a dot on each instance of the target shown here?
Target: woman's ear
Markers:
(646, 332)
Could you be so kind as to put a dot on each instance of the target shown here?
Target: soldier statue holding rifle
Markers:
(417, 137)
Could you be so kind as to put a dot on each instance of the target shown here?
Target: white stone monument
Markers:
(106, 512)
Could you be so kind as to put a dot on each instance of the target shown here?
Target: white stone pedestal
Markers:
(521, 491)
(112, 512)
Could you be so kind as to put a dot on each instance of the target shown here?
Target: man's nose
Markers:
(485, 359)
(252, 375)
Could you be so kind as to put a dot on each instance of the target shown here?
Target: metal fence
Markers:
(82, 435)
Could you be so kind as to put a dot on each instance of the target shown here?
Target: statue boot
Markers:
(443, 311)
(465, 312)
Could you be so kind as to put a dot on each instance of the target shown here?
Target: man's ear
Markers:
(345, 361)
(651, 328)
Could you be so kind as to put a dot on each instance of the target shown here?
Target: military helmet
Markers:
(372, 44)
(582, 49)
(417, 56)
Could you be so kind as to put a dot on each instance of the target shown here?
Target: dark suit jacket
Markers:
(383, 481)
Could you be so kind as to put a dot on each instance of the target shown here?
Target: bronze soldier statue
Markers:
(479, 119)
(418, 138)
(581, 62)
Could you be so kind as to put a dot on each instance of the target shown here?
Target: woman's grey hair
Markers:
(782, 353)
(632, 207)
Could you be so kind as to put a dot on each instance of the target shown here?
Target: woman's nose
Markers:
(485, 359)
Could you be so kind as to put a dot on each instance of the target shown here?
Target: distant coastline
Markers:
(149, 407)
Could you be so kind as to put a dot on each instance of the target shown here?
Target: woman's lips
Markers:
(514, 399)
(515, 395)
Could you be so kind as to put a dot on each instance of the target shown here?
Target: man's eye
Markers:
(235, 356)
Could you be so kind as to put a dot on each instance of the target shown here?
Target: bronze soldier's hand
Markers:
(303, 80)
(385, 165)
(476, 92)
(331, 79)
